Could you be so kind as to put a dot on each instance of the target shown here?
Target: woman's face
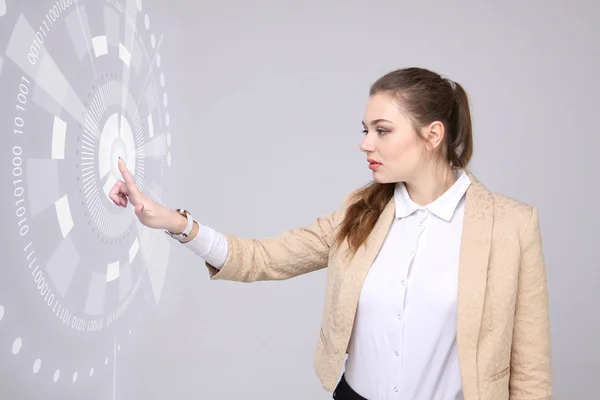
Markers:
(393, 148)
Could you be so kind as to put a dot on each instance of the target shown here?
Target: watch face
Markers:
(82, 83)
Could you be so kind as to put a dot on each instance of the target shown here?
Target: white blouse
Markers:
(403, 344)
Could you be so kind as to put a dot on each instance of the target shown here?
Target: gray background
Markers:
(270, 98)
(266, 100)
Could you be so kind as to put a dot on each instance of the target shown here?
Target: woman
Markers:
(436, 287)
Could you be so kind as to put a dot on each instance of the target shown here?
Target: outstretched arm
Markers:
(229, 257)
(294, 252)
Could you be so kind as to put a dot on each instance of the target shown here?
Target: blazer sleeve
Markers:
(294, 252)
(530, 376)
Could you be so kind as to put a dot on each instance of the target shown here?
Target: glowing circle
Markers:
(116, 141)
(56, 375)
(75, 377)
(147, 21)
(91, 371)
(118, 150)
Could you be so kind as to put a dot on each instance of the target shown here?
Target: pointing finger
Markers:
(129, 182)
(125, 172)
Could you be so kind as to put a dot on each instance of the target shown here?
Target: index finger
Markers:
(125, 173)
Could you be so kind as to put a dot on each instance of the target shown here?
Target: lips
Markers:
(373, 165)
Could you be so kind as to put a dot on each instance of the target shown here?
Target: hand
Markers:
(149, 212)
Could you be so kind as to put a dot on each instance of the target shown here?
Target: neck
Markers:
(428, 185)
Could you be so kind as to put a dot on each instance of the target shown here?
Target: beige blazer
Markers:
(503, 328)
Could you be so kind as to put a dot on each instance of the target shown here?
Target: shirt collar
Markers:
(443, 207)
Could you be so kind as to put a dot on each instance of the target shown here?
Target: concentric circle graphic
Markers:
(81, 85)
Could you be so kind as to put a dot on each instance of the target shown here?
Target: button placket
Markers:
(423, 214)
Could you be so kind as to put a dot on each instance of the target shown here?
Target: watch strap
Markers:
(188, 227)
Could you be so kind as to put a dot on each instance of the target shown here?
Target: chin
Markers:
(382, 179)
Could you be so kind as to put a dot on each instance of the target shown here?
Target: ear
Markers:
(434, 134)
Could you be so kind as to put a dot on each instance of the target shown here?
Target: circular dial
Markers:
(82, 85)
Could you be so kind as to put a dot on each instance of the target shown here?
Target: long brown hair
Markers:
(426, 97)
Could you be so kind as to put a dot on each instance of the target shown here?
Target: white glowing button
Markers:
(59, 134)
(112, 272)
(37, 365)
(17, 344)
(100, 44)
(133, 250)
(124, 54)
(116, 141)
(150, 126)
(63, 212)
(119, 149)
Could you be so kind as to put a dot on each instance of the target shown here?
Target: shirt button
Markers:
(395, 389)
(402, 283)
(399, 316)
(396, 353)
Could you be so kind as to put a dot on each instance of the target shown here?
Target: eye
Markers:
(379, 131)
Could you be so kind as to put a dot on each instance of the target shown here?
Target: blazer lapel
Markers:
(474, 257)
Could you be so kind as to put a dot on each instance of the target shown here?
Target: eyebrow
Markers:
(376, 121)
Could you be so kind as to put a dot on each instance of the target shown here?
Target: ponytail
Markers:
(460, 143)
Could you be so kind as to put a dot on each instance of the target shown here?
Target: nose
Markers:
(367, 144)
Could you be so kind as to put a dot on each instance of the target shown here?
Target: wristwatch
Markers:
(188, 228)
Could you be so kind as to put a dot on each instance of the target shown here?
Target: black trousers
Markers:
(343, 391)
